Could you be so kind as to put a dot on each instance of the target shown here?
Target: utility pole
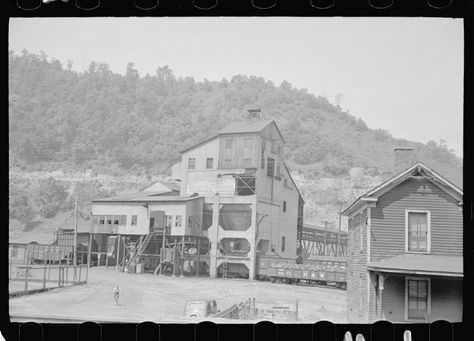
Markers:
(75, 234)
(339, 231)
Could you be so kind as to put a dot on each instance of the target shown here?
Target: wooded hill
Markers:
(59, 118)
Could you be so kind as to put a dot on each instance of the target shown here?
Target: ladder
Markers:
(225, 266)
(138, 251)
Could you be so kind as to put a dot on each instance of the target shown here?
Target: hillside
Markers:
(108, 124)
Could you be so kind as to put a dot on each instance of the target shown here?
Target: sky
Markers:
(404, 75)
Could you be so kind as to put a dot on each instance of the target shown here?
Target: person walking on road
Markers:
(116, 291)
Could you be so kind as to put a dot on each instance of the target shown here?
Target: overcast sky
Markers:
(404, 75)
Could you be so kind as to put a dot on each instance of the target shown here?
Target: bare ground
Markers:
(146, 297)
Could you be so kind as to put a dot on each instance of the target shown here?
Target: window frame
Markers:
(428, 298)
(134, 222)
(283, 242)
(178, 221)
(428, 231)
(194, 163)
(211, 161)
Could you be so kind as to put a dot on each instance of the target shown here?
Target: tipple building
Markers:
(236, 200)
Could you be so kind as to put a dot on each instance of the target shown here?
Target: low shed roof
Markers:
(420, 264)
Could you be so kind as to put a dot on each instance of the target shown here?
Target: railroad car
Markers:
(318, 271)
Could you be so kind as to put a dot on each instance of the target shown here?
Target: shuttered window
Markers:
(417, 231)
(417, 299)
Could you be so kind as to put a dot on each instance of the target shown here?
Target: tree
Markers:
(19, 207)
(50, 197)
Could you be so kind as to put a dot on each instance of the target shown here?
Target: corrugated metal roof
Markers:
(421, 264)
(131, 196)
(146, 197)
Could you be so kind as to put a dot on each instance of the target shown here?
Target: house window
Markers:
(109, 220)
(417, 298)
(284, 206)
(191, 163)
(270, 166)
(102, 220)
(178, 221)
(116, 219)
(282, 244)
(263, 159)
(209, 163)
(228, 143)
(134, 220)
(417, 231)
(95, 219)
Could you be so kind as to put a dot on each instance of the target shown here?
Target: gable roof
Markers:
(372, 195)
(169, 185)
(240, 127)
(293, 181)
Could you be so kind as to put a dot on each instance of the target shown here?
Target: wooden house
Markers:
(405, 250)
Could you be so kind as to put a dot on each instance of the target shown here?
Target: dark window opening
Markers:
(209, 163)
(263, 160)
(134, 220)
(284, 206)
(270, 166)
(282, 244)
(207, 217)
(192, 163)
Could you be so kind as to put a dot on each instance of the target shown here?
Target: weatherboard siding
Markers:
(446, 300)
(388, 219)
(357, 290)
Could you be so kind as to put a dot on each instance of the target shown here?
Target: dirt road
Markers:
(154, 298)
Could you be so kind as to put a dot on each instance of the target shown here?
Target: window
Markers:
(228, 143)
(209, 163)
(263, 159)
(123, 220)
(178, 221)
(270, 166)
(134, 220)
(417, 231)
(282, 244)
(109, 220)
(95, 219)
(169, 220)
(284, 206)
(102, 220)
(116, 219)
(191, 163)
(417, 298)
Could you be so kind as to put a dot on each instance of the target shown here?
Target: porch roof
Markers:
(420, 264)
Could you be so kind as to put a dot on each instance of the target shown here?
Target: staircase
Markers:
(137, 251)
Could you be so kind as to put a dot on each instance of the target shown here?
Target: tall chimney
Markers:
(404, 158)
